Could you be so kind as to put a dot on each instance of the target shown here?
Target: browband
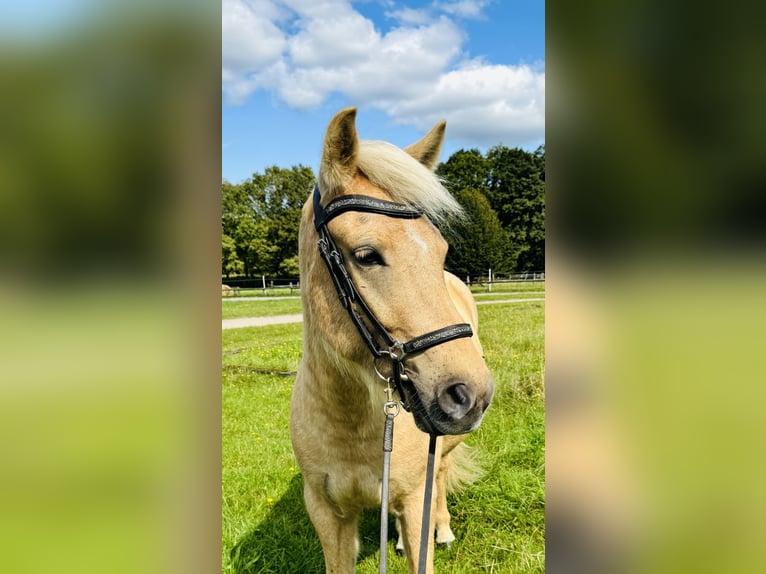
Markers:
(344, 203)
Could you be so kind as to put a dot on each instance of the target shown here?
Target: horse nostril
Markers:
(458, 394)
(456, 400)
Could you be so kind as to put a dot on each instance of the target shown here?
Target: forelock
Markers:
(407, 181)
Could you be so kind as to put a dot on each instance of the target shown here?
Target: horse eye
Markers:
(368, 257)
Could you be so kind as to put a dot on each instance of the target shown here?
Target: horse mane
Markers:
(407, 181)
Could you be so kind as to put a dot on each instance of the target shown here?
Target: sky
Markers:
(289, 66)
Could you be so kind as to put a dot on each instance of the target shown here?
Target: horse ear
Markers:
(341, 143)
(427, 150)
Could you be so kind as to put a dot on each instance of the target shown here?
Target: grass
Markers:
(515, 286)
(260, 308)
(268, 292)
(475, 288)
(498, 521)
(484, 297)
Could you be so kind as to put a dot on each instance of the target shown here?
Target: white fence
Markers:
(512, 278)
(264, 286)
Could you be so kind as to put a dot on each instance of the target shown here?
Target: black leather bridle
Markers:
(382, 345)
(378, 340)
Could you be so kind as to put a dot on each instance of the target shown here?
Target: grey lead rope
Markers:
(391, 410)
(388, 440)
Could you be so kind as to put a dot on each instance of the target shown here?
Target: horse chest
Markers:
(343, 460)
(351, 487)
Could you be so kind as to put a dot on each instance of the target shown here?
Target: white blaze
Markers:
(412, 234)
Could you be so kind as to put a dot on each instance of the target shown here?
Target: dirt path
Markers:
(240, 322)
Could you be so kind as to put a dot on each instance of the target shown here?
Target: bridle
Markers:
(383, 346)
(378, 340)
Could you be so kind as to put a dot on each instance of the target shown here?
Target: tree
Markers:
(262, 216)
(516, 191)
(238, 221)
(231, 264)
(503, 194)
(261, 252)
(465, 170)
(289, 267)
(278, 197)
(479, 243)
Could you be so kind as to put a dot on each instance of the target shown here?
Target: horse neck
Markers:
(335, 359)
(345, 392)
(337, 379)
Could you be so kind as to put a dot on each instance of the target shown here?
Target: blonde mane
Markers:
(407, 181)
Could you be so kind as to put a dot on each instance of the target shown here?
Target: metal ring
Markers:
(391, 408)
(382, 377)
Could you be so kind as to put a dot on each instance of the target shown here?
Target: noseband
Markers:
(378, 340)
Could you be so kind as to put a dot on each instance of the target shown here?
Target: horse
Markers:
(389, 254)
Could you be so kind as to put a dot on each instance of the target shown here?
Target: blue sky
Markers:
(289, 66)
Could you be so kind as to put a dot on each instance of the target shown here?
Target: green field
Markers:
(498, 521)
(510, 287)
(475, 287)
(260, 308)
(257, 306)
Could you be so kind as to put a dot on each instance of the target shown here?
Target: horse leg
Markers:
(444, 533)
(411, 518)
(441, 515)
(337, 534)
(399, 539)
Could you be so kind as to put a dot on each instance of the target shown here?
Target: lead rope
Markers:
(391, 409)
(425, 531)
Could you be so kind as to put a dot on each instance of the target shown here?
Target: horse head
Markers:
(396, 267)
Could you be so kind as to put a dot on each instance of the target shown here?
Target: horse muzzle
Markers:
(456, 407)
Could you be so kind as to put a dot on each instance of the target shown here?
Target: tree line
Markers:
(502, 192)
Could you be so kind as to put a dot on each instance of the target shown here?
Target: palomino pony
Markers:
(383, 279)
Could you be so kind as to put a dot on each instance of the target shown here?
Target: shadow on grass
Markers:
(285, 542)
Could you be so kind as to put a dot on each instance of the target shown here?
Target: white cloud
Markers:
(410, 16)
(351, 57)
(251, 38)
(484, 103)
(306, 50)
(345, 39)
(463, 8)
